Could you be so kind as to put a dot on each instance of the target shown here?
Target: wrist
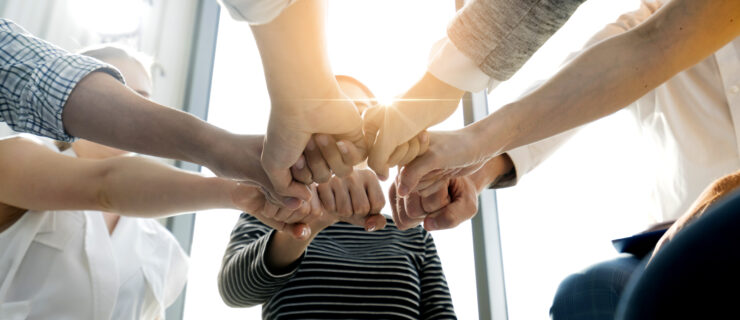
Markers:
(492, 171)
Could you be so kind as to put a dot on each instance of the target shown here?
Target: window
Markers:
(561, 217)
(368, 39)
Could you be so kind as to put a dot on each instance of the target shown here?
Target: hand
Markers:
(290, 129)
(324, 155)
(450, 154)
(292, 222)
(238, 157)
(389, 128)
(356, 199)
(718, 189)
(444, 209)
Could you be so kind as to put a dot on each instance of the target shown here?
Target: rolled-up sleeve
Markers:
(36, 78)
(256, 12)
(499, 36)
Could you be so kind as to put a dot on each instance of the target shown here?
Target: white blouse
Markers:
(65, 265)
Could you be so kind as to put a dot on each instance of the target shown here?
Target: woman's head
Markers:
(137, 77)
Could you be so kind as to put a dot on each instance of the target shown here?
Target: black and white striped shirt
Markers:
(346, 273)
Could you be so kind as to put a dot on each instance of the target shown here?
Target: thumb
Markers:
(413, 172)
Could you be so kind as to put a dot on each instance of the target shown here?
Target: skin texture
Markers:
(603, 79)
(449, 202)
(305, 97)
(105, 179)
(356, 198)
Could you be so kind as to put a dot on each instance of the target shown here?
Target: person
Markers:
(695, 264)
(342, 271)
(602, 79)
(73, 243)
(494, 39)
(689, 118)
(50, 92)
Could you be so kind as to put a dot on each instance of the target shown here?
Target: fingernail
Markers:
(382, 177)
(342, 147)
(430, 225)
(310, 145)
(305, 233)
(424, 137)
(323, 140)
(371, 227)
(300, 163)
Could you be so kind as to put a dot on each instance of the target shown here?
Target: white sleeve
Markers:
(256, 12)
(450, 65)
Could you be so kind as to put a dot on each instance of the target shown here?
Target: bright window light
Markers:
(109, 17)
(368, 39)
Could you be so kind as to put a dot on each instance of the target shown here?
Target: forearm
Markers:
(429, 101)
(103, 110)
(294, 45)
(283, 250)
(613, 73)
(145, 188)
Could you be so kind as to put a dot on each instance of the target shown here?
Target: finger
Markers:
(299, 231)
(436, 201)
(412, 173)
(291, 192)
(351, 154)
(404, 221)
(411, 153)
(319, 168)
(284, 214)
(301, 172)
(434, 188)
(398, 154)
(375, 222)
(371, 122)
(342, 198)
(326, 195)
(393, 199)
(270, 210)
(360, 202)
(374, 193)
(301, 214)
(413, 206)
(332, 155)
(423, 138)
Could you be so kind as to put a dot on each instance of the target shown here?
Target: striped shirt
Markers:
(36, 79)
(346, 273)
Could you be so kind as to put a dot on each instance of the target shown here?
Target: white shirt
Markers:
(693, 119)
(65, 265)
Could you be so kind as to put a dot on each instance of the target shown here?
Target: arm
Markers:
(245, 255)
(600, 81)
(304, 94)
(37, 178)
(436, 302)
(270, 259)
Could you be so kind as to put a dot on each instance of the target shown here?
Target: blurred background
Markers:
(559, 219)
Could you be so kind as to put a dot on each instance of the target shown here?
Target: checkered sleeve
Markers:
(36, 79)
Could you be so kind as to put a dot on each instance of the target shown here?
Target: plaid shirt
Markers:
(36, 78)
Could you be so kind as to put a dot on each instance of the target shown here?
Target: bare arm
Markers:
(603, 79)
(37, 178)
(615, 72)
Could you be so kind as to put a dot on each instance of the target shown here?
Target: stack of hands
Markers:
(305, 165)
